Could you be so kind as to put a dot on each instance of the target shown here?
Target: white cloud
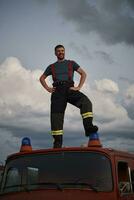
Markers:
(105, 106)
(20, 88)
(107, 85)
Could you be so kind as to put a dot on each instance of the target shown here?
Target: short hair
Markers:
(59, 46)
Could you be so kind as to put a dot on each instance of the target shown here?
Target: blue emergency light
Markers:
(94, 140)
(26, 145)
(94, 136)
(26, 141)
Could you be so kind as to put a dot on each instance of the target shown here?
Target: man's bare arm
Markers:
(45, 85)
(82, 79)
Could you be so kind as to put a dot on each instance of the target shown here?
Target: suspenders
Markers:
(53, 72)
(70, 71)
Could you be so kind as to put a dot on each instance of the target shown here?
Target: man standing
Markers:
(63, 92)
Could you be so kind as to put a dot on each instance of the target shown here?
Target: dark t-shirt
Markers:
(61, 70)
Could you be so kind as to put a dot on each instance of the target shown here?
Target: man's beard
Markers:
(61, 57)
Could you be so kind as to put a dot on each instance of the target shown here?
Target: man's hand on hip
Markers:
(75, 88)
(51, 89)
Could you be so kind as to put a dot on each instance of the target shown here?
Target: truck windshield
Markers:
(58, 170)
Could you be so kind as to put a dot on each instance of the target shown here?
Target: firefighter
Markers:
(63, 91)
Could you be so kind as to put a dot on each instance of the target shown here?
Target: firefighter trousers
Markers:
(59, 99)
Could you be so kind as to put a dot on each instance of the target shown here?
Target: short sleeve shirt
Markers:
(61, 70)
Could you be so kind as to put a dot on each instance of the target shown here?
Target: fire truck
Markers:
(68, 173)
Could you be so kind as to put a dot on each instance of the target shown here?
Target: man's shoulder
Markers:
(74, 63)
(71, 61)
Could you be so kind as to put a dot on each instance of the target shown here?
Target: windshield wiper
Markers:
(78, 182)
(89, 185)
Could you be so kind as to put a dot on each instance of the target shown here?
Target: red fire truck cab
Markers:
(80, 173)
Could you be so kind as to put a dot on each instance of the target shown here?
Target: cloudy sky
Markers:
(99, 36)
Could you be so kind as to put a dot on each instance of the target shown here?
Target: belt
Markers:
(63, 83)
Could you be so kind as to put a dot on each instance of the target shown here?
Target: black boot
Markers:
(89, 127)
(57, 141)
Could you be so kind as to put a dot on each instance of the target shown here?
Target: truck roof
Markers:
(108, 151)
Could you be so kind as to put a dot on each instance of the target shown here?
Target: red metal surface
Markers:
(67, 194)
(107, 151)
(72, 194)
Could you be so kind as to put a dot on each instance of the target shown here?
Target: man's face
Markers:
(60, 53)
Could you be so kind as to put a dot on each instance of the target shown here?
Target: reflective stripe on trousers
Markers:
(86, 115)
(57, 132)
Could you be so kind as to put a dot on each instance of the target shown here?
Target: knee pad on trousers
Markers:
(84, 104)
(57, 141)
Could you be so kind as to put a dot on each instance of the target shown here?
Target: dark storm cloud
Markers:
(105, 56)
(113, 20)
(81, 50)
(39, 139)
(124, 133)
(130, 109)
(118, 139)
(43, 138)
(85, 53)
